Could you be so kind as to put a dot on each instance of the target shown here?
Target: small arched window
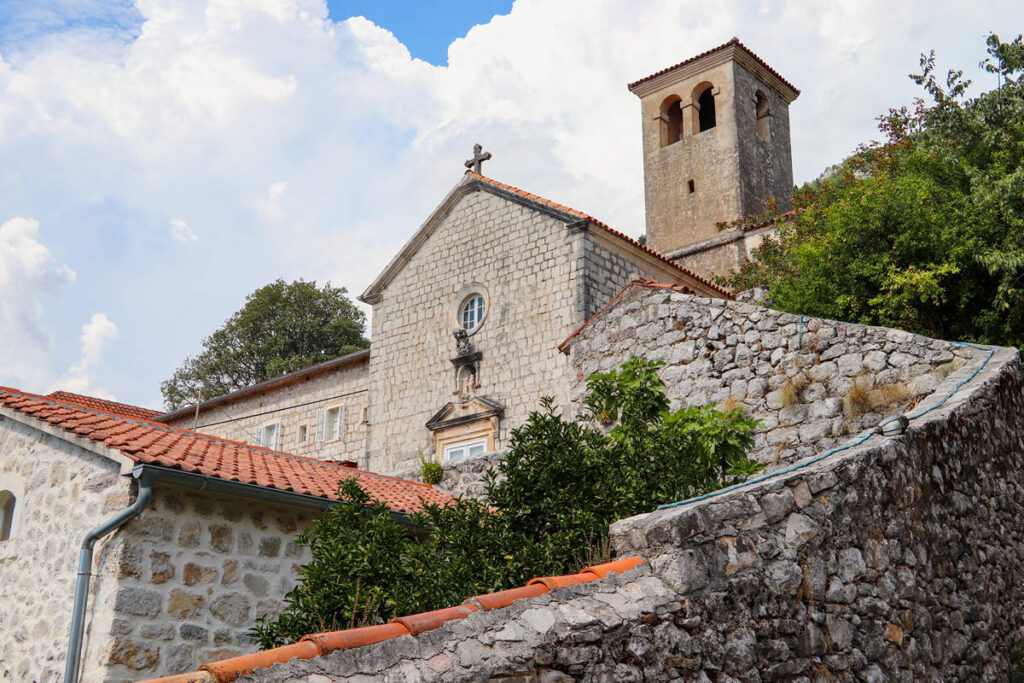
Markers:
(706, 109)
(7, 501)
(764, 119)
(671, 120)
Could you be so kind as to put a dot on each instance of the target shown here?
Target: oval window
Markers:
(472, 312)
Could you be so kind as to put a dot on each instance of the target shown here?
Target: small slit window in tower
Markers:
(690, 185)
(706, 109)
(764, 119)
(671, 120)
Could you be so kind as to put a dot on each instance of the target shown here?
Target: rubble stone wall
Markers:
(812, 382)
(899, 559)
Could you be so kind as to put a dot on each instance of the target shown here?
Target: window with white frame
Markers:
(472, 312)
(269, 436)
(330, 423)
(456, 451)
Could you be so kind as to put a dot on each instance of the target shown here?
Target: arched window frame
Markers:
(706, 91)
(671, 120)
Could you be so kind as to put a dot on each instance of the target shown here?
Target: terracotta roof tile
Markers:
(104, 406)
(725, 292)
(154, 443)
(320, 644)
(735, 41)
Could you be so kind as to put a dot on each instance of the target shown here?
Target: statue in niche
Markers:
(462, 345)
(466, 363)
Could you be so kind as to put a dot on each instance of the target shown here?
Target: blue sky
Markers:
(426, 28)
(163, 158)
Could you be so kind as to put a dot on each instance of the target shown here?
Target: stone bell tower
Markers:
(716, 146)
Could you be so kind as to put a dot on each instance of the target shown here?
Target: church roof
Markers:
(321, 644)
(105, 406)
(787, 89)
(474, 181)
(153, 443)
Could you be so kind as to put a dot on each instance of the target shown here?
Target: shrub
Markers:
(431, 472)
(547, 509)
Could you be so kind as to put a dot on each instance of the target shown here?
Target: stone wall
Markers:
(64, 491)
(813, 382)
(901, 559)
(463, 477)
(294, 405)
(191, 575)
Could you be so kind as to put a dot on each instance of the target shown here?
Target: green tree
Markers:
(924, 231)
(547, 508)
(282, 327)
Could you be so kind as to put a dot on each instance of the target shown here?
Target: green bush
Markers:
(431, 472)
(560, 487)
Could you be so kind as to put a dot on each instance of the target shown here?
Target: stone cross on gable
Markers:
(479, 157)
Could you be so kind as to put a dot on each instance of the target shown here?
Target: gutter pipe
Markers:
(85, 566)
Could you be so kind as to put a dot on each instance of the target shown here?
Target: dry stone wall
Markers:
(811, 381)
(901, 559)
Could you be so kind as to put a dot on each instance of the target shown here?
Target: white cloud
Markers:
(28, 274)
(97, 334)
(269, 203)
(212, 104)
(182, 233)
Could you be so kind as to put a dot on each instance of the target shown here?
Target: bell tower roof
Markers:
(734, 50)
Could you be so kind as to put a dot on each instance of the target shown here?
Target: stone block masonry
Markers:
(194, 572)
(812, 382)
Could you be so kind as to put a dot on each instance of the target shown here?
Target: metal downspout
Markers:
(85, 567)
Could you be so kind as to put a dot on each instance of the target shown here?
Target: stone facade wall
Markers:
(189, 577)
(899, 560)
(811, 381)
(295, 405)
(722, 254)
(522, 262)
(64, 492)
(766, 163)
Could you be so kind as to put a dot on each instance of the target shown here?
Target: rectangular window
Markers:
(456, 451)
(269, 436)
(302, 434)
(330, 424)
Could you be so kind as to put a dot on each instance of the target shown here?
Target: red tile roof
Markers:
(735, 41)
(725, 292)
(639, 282)
(153, 443)
(320, 644)
(105, 406)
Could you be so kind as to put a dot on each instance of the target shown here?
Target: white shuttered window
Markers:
(330, 424)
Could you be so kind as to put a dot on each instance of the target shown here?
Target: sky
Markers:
(163, 158)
